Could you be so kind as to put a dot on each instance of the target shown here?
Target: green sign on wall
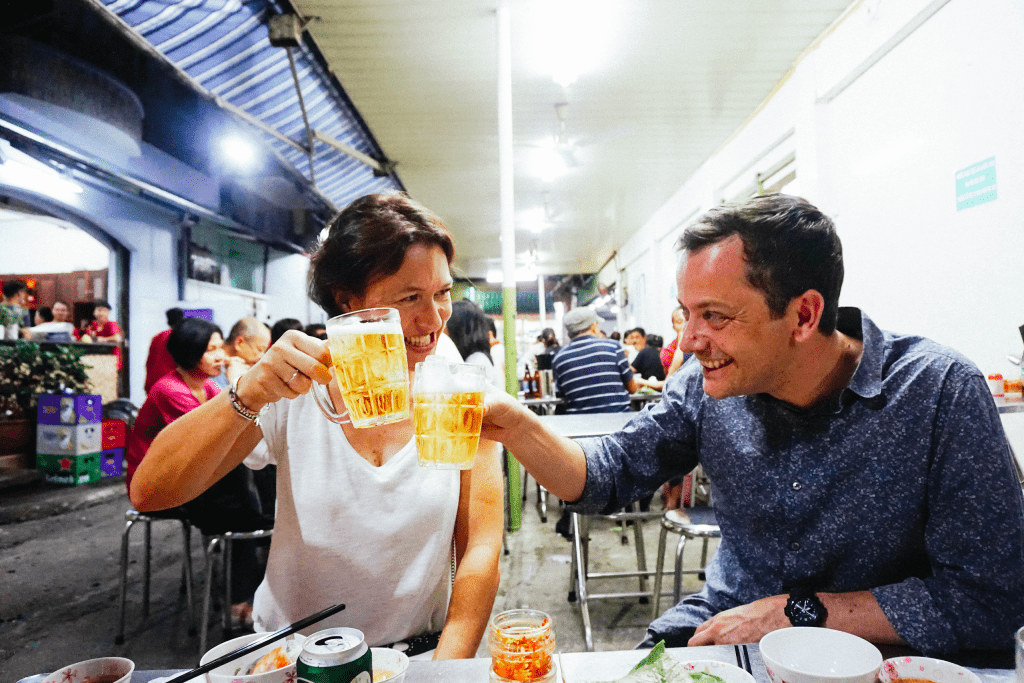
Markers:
(976, 184)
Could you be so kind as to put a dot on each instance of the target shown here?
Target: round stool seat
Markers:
(694, 522)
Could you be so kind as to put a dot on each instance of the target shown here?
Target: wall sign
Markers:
(976, 184)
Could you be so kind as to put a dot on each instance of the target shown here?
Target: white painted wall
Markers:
(880, 157)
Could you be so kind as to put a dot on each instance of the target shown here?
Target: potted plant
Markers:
(28, 370)
(6, 318)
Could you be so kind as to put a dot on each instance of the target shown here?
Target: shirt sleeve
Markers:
(657, 444)
(974, 534)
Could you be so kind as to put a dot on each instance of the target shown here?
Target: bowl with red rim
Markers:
(802, 654)
(924, 669)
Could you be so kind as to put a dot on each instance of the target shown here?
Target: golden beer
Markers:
(448, 428)
(370, 366)
(448, 410)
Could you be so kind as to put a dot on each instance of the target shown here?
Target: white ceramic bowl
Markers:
(727, 672)
(935, 670)
(391, 661)
(94, 668)
(818, 655)
(226, 673)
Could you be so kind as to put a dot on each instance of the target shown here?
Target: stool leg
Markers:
(204, 624)
(658, 571)
(641, 556)
(526, 477)
(186, 532)
(226, 611)
(677, 591)
(119, 638)
(145, 570)
(580, 554)
(572, 565)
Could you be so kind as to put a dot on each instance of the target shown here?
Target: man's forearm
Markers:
(859, 613)
(558, 464)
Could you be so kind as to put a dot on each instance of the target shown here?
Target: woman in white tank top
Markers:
(358, 521)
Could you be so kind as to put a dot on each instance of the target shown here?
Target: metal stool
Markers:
(222, 542)
(580, 574)
(688, 523)
(132, 516)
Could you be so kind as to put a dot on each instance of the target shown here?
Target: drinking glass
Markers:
(448, 410)
(371, 368)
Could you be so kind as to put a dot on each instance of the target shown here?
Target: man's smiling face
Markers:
(741, 347)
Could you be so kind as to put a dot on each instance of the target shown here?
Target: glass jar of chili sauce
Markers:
(521, 642)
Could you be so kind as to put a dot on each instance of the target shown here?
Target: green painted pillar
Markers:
(515, 487)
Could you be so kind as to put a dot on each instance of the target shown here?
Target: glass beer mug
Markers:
(371, 368)
(448, 410)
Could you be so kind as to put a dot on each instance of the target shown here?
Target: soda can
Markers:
(336, 655)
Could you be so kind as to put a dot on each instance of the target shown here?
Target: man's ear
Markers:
(807, 309)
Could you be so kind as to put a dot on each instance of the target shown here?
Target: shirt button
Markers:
(795, 545)
(797, 486)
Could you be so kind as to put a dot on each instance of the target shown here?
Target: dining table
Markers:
(580, 667)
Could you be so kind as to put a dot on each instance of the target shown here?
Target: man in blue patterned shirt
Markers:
(861, 478)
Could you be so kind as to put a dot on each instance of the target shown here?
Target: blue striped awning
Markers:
(224, 46)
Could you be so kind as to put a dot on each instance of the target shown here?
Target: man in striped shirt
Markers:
(592, 373)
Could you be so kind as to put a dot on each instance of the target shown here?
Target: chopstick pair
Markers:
(257, 644)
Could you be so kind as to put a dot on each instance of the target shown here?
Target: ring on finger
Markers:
(292, 378)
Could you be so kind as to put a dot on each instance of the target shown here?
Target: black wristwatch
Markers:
(805, 609)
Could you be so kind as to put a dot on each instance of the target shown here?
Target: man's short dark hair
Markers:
(655, 340)
(318, 330)
(635, 329)
(174, 316)
(789, 247)
(12, 287)
(102, 303)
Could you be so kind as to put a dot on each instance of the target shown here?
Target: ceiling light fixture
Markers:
(238, 151)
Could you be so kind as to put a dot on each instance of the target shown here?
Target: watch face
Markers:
(803, 612)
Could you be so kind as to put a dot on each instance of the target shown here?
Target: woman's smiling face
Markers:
(421, 291)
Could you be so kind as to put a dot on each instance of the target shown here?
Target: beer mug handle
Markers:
(326, 405)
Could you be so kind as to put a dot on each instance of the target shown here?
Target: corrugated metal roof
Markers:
(224, 47)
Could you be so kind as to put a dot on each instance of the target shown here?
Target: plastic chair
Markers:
(214, 543)
(132, 517)
(689, 523)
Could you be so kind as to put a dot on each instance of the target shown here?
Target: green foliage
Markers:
(28, 369)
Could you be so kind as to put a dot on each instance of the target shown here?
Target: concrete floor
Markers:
(59, 589)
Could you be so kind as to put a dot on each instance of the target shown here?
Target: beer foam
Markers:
(376, 327)
(437, 377)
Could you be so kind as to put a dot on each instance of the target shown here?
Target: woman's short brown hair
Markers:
(368, 241)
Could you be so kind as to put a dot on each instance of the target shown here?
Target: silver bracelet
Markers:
(253, 417)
